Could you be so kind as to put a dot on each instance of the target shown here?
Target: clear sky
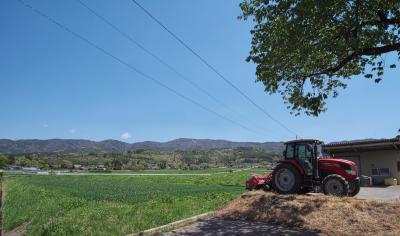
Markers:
(52, 85)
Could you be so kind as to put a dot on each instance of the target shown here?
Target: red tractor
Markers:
(305, 169)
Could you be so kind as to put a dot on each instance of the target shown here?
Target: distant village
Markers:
(82, 167)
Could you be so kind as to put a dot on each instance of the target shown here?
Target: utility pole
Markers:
(1, 203)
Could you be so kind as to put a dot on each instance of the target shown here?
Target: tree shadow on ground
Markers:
(220, 227)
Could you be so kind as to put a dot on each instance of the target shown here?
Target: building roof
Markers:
(304, 141)
(363, 145)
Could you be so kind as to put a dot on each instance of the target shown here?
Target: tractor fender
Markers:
(295, 164)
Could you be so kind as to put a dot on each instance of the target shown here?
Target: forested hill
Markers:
(8, 146)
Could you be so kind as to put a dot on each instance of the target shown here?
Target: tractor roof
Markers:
(304, 141)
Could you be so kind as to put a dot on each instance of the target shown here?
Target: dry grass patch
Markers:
(324, 214)
(18, 231)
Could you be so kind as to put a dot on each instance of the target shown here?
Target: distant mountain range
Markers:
(8, 146)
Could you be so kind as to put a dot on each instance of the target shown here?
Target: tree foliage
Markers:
(306, 49)
(4, 161)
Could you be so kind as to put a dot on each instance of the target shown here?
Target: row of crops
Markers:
(112, 205)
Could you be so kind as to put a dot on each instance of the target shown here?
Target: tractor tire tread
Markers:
(297, 175)
(343, 180)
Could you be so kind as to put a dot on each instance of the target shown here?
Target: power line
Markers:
(212, 68)
(129, 66)
(161, 61)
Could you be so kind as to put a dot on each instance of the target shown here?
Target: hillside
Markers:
(8, 146)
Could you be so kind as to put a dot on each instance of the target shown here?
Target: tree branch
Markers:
(363, 52)
(380, 50)
(383, 20)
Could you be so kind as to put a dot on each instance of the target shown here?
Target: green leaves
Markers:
(305, 50)
(369, 76)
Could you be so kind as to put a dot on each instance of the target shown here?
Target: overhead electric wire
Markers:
(213, 68)
(129, 66)
(163, 62)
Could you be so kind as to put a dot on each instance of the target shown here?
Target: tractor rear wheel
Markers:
(286, 179)
(335, 185)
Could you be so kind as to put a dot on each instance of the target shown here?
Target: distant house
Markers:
(91, 167)
(196, 167)
(83, 167)
(101, 167)
(77, 166)
(14, 168)
(68, 166)
(152, 167)
(376, 158)
(30, 169)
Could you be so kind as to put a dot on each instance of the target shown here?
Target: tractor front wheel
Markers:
(286, 179)
(335, 185)
(354, 188)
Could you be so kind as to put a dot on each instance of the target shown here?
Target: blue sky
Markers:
(54, 86)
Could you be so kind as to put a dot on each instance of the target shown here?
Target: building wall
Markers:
(366, 161)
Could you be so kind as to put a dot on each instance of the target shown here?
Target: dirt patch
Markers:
(18, 231)
(323, 214)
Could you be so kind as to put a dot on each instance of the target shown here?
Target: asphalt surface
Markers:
(217, 227)
(379, 193)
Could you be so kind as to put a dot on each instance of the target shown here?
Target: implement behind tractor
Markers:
(305, 169)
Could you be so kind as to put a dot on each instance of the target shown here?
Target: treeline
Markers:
(144, 159)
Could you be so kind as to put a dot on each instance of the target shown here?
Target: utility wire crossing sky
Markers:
(214, 69)
(45, 16)
(161, 61)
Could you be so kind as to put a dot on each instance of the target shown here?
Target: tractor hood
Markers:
(338, 166)
(334, 160)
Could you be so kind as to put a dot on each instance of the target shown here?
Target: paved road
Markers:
(379, 193)
(217, 227)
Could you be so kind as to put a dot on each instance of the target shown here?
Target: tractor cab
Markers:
(304, 155)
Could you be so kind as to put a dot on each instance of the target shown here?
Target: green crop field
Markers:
(112, 205)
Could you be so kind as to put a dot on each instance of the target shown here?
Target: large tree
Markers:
(306, 49)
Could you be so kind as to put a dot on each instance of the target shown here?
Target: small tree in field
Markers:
(4, 162)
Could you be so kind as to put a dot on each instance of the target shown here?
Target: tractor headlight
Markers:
(349, 169)
(351, 172)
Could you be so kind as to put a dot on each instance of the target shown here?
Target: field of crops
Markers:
(112, 205)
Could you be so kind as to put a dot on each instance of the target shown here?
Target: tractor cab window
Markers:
(321, 153)
(305, 156)
(290, 151)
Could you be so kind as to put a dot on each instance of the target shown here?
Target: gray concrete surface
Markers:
(379, 193)
(217, 227)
